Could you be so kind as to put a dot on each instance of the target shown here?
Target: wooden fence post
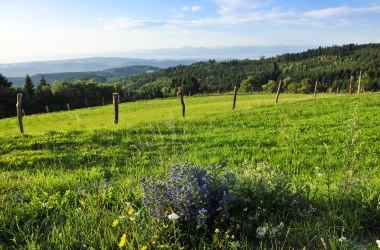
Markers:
(360, 78)
(235, 92)
(278, 90)
(19, 112)
(47, 108)
(182, 102)
(115, 101)
(315, 89)
(351, 80)
(68, 106)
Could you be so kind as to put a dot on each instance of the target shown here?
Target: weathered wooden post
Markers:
(279, 90)
(182, 102)
(23, 112)
(315, 89)
(360, 77)
(68, 106)
(351, 80)
(115, 101)
(19, 112)
(235, 92)
(47, 108)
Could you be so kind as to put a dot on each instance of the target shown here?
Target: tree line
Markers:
(56, 96)
(332, 67)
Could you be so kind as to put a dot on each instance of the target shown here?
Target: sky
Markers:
(61, 29)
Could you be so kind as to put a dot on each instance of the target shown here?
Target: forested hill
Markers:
(331, 66)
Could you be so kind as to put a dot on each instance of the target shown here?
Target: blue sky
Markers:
(56, 29)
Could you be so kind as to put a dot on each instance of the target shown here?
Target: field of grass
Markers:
(65, 181)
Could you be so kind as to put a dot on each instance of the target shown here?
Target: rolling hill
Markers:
(99, 76)
(82, 65)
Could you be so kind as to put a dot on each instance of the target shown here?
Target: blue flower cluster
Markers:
(202, 197)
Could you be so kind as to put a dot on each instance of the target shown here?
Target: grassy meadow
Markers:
(72, 179)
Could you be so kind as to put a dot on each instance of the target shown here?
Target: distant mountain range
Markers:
(82, 65)
(99, 76)
(164, 58)
(220, 53)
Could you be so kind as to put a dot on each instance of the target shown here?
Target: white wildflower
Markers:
(378, 243)
(44, 204)
(173, 216)
(319, 174)
(343, 239)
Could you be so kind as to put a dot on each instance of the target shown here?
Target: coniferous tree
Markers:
(43, 82)
(7, 98)
(4, 81)
(44, 95)
(28, 87)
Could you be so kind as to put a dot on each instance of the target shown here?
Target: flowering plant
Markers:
(200, 197)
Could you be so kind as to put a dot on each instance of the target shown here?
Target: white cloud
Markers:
(196, 8)
(229, 6)
(124, 23)
(192, 8)
(341, 11)
(252, 15)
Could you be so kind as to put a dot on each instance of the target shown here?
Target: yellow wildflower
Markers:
(143, 248)
(217, 230)
(232, 236)
(115, 223)
(245, 209)
(123, 241)
(131, 211)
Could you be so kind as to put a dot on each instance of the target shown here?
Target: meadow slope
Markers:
(331, 144)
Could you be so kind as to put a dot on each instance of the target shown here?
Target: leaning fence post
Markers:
(351, 80)
(47, 108)
(115, 101)
(279, 90)
(182, 102)
(19, 112)
(235, 91)
(315, 89)
(68, 106)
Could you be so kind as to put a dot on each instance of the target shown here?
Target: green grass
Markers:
(317, 141)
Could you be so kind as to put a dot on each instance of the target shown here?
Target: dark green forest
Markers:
(332, 67)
